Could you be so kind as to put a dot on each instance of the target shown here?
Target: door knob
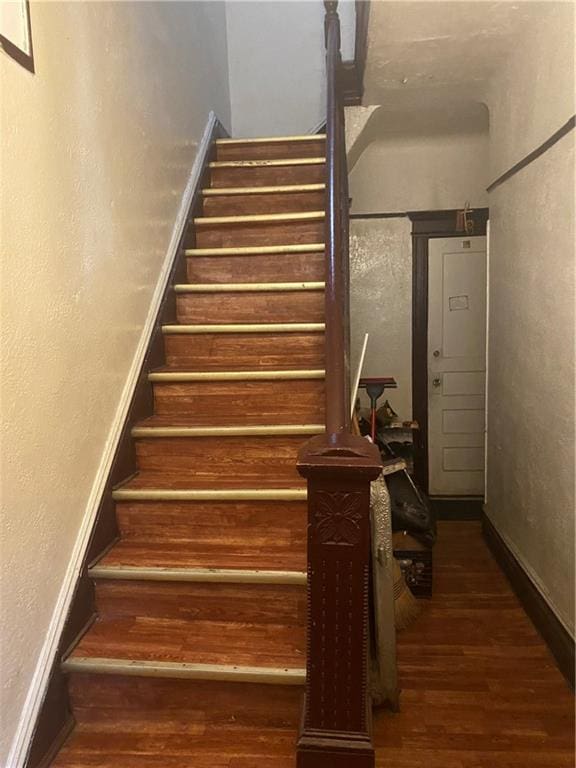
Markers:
(436, 382)
(436, 353)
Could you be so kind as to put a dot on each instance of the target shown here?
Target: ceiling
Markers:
(434, 58)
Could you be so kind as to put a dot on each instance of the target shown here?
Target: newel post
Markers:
(336, 726)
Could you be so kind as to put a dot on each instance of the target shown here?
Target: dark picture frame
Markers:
(24, 57)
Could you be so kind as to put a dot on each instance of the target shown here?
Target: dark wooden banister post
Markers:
(338, 466)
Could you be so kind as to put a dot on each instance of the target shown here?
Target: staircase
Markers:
(197, 656)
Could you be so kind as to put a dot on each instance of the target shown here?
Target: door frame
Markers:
(426, 225)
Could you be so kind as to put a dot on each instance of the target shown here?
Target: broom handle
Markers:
(358, 375)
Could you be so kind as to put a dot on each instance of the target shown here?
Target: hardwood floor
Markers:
(479, 687)
(479, 690)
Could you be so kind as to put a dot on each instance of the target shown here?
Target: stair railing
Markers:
(338, 466)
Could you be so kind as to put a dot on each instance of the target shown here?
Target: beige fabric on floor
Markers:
(384, 675)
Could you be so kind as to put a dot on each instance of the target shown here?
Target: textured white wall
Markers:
(418, 172)
(277, 71)
(530, 481)
(96, 150)
(532, 95)
(381, 304)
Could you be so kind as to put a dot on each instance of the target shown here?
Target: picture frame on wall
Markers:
(16, 32)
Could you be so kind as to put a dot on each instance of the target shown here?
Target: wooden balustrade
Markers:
(339, 466)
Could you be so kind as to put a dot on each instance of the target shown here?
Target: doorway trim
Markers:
(425, 225)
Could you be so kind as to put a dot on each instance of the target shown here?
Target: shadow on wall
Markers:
(428, 160)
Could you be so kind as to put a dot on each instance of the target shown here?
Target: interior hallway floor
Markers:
(479, 686)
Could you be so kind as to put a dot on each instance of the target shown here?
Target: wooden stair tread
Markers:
(173, 373)
(253, 287)
(260, 218)
(279, 189)
(255, 328)
(220, 477)
(231, 140)
(194, 642)
(261, 552)
(269, 163)
(180, 422)
(174, 740)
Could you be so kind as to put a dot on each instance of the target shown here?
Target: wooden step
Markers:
(187, 536)
(267, 229)
(220, 461)
(268, 173)
(272, 348)
(169, 595)
(242, 302)
(270, 264)
(237, 201)
(146, 722)
(220, 533)
(195, 649)
(132, 490)
(271, 147)
(199, 737)
(226, 402)
(242, 702)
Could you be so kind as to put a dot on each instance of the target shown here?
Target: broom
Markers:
(406, 606)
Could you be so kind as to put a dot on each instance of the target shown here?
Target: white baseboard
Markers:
(40, 679)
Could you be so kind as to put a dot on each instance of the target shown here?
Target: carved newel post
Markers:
(336, 728)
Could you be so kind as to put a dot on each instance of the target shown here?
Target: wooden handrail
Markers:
(338, 466)
(337, 354)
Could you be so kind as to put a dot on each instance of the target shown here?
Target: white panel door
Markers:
(456, 365)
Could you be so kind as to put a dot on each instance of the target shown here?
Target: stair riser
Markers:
(245, 351)
(274, 150)
(277, 202)
(243, 307)
(268, 176)
(280, 268)
(258, 234)
(243, 402)
(180, 601)
(210, 703)
(224, 524)
(220, 462)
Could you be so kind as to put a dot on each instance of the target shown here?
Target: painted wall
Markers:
(421, 171)
(97, 148)
(381, 304)
(530, 481)
(286, 39)
(399, 172)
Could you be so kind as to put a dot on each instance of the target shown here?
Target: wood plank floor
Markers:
(479, 690)
(479, 687)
